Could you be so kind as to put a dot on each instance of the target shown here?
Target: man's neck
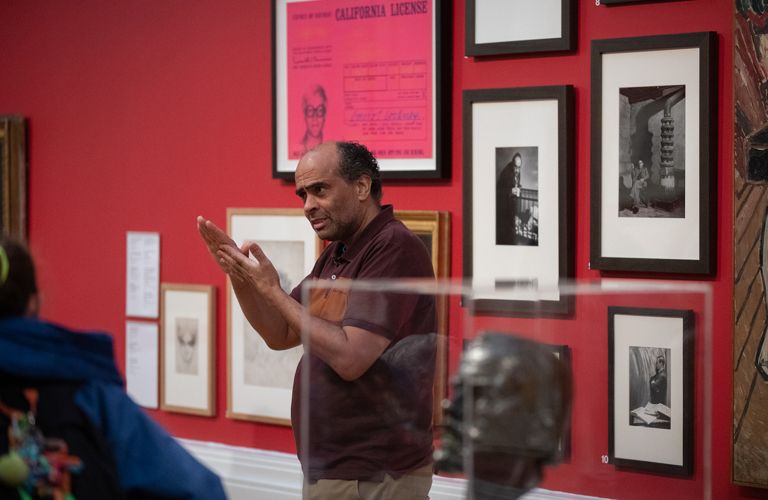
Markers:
(370, 213)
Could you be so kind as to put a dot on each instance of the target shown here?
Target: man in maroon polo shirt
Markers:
(372, 354)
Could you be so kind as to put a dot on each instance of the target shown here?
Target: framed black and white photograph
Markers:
(379, 74)
(653, 178)
(260, 380)
(518, 197)
(651, 389)
(497, 27)
(188, 349)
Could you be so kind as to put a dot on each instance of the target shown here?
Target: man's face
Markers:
(659, 365)
(314, 114)
(331, 205)
(640, 164)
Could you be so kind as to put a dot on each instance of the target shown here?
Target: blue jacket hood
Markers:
(34, 348)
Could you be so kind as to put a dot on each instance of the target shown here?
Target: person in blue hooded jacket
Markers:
(62, 399)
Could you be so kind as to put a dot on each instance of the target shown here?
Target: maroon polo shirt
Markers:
(380, 423)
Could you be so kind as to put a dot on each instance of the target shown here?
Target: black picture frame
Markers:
(557, 173)
(671, 334)
(567, 41)
(440, 164)
(618, 241)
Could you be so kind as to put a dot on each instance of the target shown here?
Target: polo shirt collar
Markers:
(384, 217)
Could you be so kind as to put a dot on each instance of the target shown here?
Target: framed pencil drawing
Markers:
(653, 178)
(13, 177)
(519, 196)
(260, 380)
(434, 230)
(188, 349)
(495, 27)
(377, 73)
(650, 389)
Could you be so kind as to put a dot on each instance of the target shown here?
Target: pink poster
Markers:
(360, 72)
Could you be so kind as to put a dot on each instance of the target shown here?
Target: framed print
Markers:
(377, 73)
(519, 196)
(13, 177)
(434, 230)
(260, 380)
(653, 180)
(495, 27)
(188, 349)
(650, 389)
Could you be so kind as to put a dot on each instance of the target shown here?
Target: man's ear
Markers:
(33, 306)
(363, 186)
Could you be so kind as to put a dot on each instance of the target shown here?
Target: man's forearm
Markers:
(264, 318)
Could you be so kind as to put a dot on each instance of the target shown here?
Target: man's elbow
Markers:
(350, 371)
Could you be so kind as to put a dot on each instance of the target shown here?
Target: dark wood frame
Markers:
(210, 292)
(441, 100)
(567, 42)
(687, 372)
(13, 177)
(706, 42)
(564, 94)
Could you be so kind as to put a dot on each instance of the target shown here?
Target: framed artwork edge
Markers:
(688, 386)
(707, 43)
(565, 95)
(210, 291)
(319, 246)
(442, 126)
(13, 177)
(438, 225)
(568, 42)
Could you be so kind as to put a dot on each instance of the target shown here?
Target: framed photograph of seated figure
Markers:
(188, 348)
(650, 389)
(434, 230)
(260, 380)
(519, 198)
(654, 150)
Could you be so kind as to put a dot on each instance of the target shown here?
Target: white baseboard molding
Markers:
(251, 474)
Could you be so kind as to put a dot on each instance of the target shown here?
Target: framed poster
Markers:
(13, 177)
(434, 230)
(653, 179)
(494, 27)
(650, 389)
(378, 74)
(188, 348)
(260, 380)
(519, 196)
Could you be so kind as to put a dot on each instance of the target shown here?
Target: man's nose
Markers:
(309, 205)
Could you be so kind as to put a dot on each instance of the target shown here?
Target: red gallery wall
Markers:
(144, 114)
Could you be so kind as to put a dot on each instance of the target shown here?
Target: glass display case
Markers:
(599, 390)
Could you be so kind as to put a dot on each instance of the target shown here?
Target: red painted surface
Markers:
(144, 114)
